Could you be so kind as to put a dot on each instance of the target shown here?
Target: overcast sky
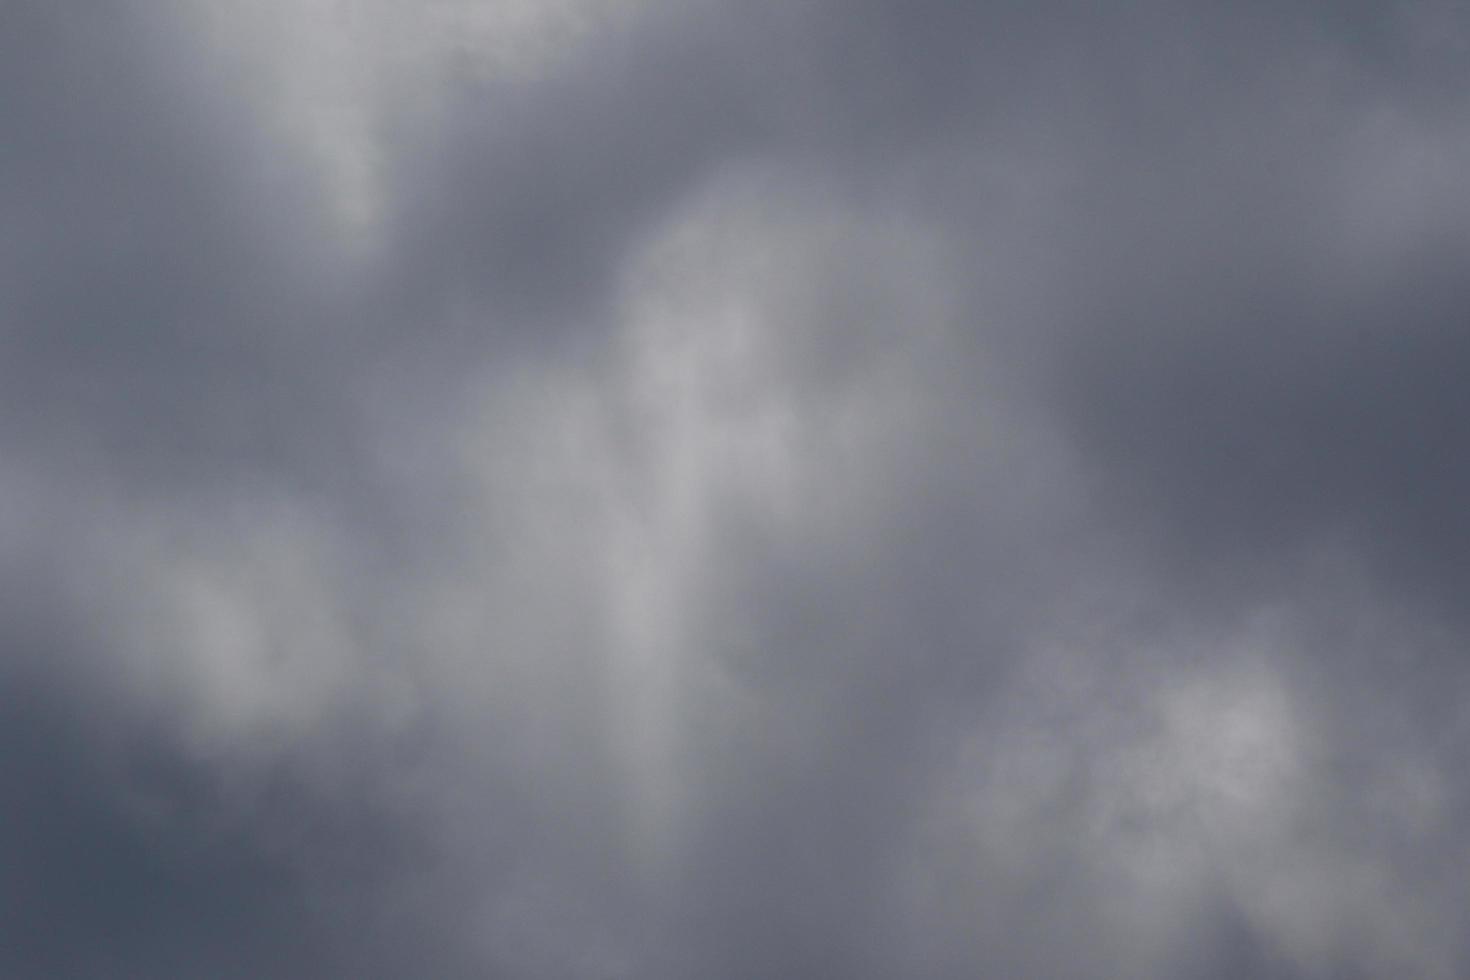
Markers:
(732, 489)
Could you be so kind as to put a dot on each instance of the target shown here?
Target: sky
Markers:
(597, 489)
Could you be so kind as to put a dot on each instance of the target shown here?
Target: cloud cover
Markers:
(615, 488)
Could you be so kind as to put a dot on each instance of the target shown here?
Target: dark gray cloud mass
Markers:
(645, 488)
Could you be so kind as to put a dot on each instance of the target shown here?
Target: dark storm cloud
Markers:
(1268, 309)
(522, 200)
(817, 489)
(126, 856)
(163, 278)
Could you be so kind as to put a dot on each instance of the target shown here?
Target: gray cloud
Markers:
(645, 489)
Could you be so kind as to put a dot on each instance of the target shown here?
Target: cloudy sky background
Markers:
(734, 488)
